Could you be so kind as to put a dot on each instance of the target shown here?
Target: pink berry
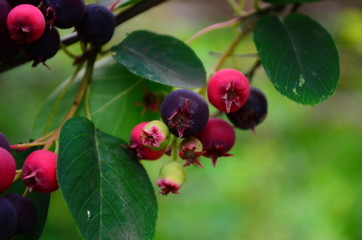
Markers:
(190, 150)
(218, 138)
(7, 169)
(228, 90)
(26, 23)
(39, 171)
(143, 152)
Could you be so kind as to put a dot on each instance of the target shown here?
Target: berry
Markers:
(252, 113)
(45, 47)
(155, 135)
(39, 171)
(25, 211)
(218, 138)
(143, 152)
(8, 218)
(4, 11)
(64, 13)
(4, 143)
(184, 112)
(98, 25)
(25, 23)
(15, 3)
(7, 169)
(171, 177)
(228, 90)
(191, 150)
(11, 49)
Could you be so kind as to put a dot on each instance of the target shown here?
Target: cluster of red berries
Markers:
(185, 114)
(31, 26)
(18, 213)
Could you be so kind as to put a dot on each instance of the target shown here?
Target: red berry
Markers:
(218, 138)
(228, 90)
(39, 171)
(7, 169)
(142, 151)
(25, 23)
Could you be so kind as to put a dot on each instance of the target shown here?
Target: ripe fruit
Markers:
(45, 47)
(97, 26)
(25, 23)
(252, 113)
(218, 138)
(142, 151)
(184, 112)
(8, 218)
(64, 13)
(4, 11)
(7, 169)
(228, 90)
(171, 177)
(4, 143)
(14, 3)
(12, 47)
(191, 150)
(39, 171)
(25, 211)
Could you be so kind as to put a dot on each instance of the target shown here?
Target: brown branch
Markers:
(73, 37)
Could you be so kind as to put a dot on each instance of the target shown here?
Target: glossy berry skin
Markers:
(15, 3)
(218, 138)
(184, 112)
(45, 47)
(228, 90)
(97, 26)
(7, 169)
(25, 211)
(26, 23)
(4, 143)
(143, 152)
(252, 113)
(8, 218)
(64, 13)
(39, 171)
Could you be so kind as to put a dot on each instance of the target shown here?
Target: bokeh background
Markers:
(298, 177)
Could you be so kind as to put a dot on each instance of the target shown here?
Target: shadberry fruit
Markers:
(10, 47)
(45, 47)
(64, 13)
(39, 171)
(228, 90)
(190, 150)
(25, 211)
(252, 113)
(143, 152)
(4, 143)
(25, 23)
(8, 218)
(15, 3)
(4, 11)
(171, 177)
(184, 112)
(97, 26)
(155, 135)
(7, 169)
(218, 138)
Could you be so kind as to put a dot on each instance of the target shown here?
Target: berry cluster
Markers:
(187, 131)
(38, 173)
(30, 26)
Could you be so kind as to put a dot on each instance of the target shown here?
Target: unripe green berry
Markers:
(190, 150)
(171, 177)
(155, 135)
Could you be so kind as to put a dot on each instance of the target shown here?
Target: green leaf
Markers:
(299, 56)
(162, 59)
(289, 1)
(108, 192)
(40, 200)
(115, 101)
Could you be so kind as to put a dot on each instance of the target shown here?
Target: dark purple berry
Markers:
(64, 13)
(4, 143)
(15, 3)
(184, 112)
(45, 47)
(252, 113)
(8, 218)
(218, 138)
(98, 25)
(10, 48)
(26, 212)
(4, 11)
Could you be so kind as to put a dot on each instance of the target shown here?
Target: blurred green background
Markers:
(299, 177)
